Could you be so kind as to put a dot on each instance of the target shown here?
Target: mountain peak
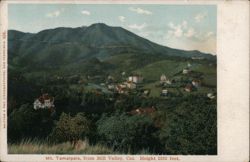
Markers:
(99, 25)
(100, 35)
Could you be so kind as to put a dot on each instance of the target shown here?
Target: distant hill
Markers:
(62, 45)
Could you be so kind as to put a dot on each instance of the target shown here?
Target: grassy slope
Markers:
(36, 147)
(82, 147)
(210, 73)
(152, 72)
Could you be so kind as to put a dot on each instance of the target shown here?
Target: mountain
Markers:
(96, 49)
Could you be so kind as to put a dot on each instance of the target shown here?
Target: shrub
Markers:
(25, 118)
(190, 128)
(70, 128)
(129, 134)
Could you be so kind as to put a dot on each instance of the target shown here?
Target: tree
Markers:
(129, 134)
(70, 128)
(25, 118)
(191, 127)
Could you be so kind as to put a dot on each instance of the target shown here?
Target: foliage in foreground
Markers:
(70, 128)
(129, 133)
(185, 125)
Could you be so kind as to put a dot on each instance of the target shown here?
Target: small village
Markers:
(134, 84)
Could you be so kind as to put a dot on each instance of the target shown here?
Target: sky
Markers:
(188, 27)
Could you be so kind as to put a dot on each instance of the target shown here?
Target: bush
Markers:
(25, 118)
(70, 128)
(190, 128)
(128, 134)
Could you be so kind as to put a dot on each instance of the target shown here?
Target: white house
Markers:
(130, 85)
(44, 102)
(196, 83)
(164, 92)
(38, 104)
(163, 78)
(130, 78)
(186, 71)
(123, 85)
(146, 92)
(135, 78)
(168, 81)
(120, 89)
(210, 95)
(188, 88)
(111, 86)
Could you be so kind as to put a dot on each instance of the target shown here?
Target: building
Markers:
(164, 92)
(196, 83)
(146, 92)
(120, 89)
(168, 81)
(210, 95)
(44, 102)
(188, 88)
(135, 78)
(123, 85)
(163, 78)
(111, 86)
(130, 85)
(186, 71)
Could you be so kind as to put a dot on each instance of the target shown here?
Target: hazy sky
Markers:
(189, 27)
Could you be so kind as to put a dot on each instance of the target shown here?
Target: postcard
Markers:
(124, 80)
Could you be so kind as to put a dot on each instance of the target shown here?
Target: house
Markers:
(210, 95)
(130, 85)
(44, 102)
(189, 65)
(135, 78)
(188, 88)
(123, 85)
(164, 92)
(186, 71)
(196, 83)
(120, 89)
(163, 78)
(168, 81)
(146, 92)
(37, 104)
(111, 86)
